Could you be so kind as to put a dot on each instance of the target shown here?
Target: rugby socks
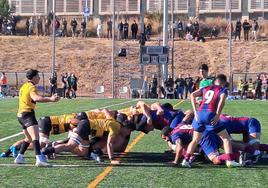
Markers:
(187, 156)
(7, 152)
(263, 147)
(225, 157)
(36, 146)
(24, 147)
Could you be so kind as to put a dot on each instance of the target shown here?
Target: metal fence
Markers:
(17, 79)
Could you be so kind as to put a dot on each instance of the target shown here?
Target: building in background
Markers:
(191, 8)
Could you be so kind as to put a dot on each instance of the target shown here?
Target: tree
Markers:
(5, 9)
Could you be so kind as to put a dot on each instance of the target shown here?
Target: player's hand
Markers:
(115, 162)
(160, 112)
(54, 98)
(215, 120)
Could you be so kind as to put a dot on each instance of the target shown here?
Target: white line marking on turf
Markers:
(52, 165)
(20, 133)
(12, 136)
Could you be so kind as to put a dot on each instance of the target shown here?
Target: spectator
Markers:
(195, 29)
(74, 85)
(69, 86)
(53, 83)
(3, 84)
(4, 28)
(180, 30)
(134, 30)
(238, 28)
(74, 26)
(13, 23)
(244, 90)
(246, 28)
(99, 30)
(180, 85)
(169, 86)
(120, 28)
(154, 85)
(57, 27)
(39, 26)
(32, 24)
(142, 39)
(196, 83)
(125, 28)
(255, 28)
(258, 88)
(64, 29)
(214, 32)
(109, 29)
(83, 28)
(27, 27)
(240, 88)
(64, 83)
(251, 90)
(189, 37)
(148, 31)
(47, 25)
(189, 85)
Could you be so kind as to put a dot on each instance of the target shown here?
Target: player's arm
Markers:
(179, 149)
(145, 110)
(110, 148)
(156, 106)
(39, 98)
(194, 95)
(108, 114)
(219, 109)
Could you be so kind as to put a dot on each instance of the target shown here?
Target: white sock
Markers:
(39, 157)
(20, 155)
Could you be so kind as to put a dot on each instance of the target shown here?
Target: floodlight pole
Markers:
(86, 17)
(53, 38)
(142, 10)
(165, 36)
(113, 48)
(230, 46)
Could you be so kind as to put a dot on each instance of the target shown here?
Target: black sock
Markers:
(24, 147)
(48, 151)
(7, 152)
(36, 146)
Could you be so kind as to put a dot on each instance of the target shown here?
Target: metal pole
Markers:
(172, 50)
(165, 36)
(230, 45)
(142, 4)
(84, 9)
(113, 49)
(53, 38)
(262, 9)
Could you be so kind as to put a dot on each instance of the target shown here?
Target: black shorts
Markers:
(27, 119)
(45, 125)
(83, 129)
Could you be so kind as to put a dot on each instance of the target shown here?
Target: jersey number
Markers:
(209, 96)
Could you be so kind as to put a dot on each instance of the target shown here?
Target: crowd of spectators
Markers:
(254, 89)
(246, 27)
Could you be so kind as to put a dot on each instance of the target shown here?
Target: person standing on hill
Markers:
(64, 83)
(134, 30)
(120, 30)
(32, 24)
(258, 88)
(109, 29)
(28, 96)
(238, 28)
(53, 84)
(246, 28)
(3, 84)
(125, 28)
(83, 28)
(69, 86)
(255, 28)
(27, 27)
(64, 29)
(74, 26)
(40, 26)
(180, 85)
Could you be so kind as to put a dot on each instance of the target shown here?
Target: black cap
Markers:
(81, 116)
(31, 73)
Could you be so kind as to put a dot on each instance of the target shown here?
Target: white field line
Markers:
(52, 165)
(20, 133)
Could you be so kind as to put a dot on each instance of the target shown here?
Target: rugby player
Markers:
(207, 118)
(85, 128)
(249, 127)
(28, 97)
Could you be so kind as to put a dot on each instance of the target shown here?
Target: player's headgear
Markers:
(81, 116)
(141, 122)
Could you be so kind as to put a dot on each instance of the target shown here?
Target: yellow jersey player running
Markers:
(28, 97)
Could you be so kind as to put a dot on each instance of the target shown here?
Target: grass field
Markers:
(143, 166)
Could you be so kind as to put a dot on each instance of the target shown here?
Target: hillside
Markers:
(90, 59)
